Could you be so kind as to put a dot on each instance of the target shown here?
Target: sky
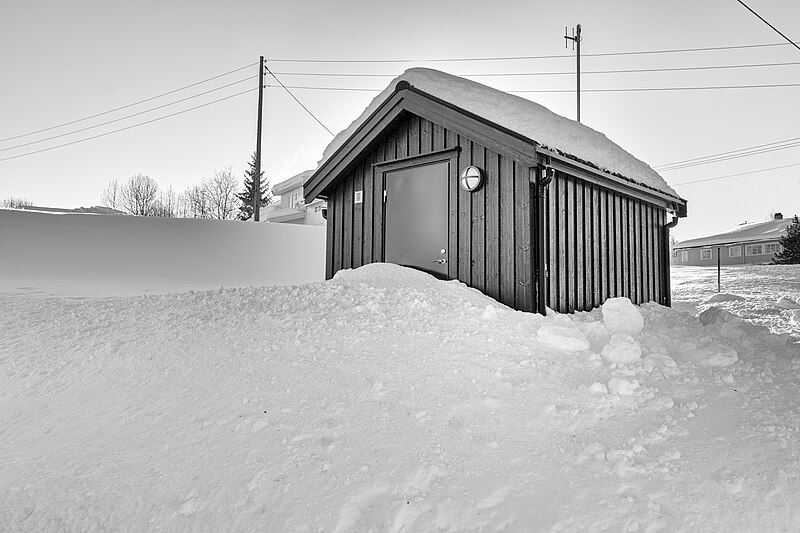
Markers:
(64, 62)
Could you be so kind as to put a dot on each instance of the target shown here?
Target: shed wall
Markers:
(489, 241)
(600, 244)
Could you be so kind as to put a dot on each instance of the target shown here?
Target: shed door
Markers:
(416, 217)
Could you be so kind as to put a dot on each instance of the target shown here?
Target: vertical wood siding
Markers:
(489, 230)
(600, 244)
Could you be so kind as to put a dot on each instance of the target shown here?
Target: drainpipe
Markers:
(545, 176)
(667, 284)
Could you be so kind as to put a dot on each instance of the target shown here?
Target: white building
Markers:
(292, 209)
(754, 242)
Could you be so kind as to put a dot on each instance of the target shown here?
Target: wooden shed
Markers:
(563, 217)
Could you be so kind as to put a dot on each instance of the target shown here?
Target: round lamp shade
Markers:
(471, 179)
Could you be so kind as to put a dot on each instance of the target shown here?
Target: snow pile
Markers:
(386, 400)
(517, 114)
(101, 255)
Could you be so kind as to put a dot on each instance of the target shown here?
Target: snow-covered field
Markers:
(767, 295)
(386, 400)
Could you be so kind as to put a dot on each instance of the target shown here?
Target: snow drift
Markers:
(386, 400)
(81, 254)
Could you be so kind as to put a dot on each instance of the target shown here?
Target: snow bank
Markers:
(81, 254)
(517, 114)
(387, 400)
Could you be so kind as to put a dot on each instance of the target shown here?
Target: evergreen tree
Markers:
(246, 197)
(791, 246)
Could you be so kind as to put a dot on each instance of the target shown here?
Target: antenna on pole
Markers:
(576, 39)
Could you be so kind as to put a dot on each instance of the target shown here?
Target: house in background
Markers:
(467, 182)
(748, 243)
(292, 208)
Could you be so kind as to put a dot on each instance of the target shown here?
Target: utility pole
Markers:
(576, 39)
(257, 177)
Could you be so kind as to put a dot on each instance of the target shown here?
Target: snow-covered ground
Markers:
(386, 400)
(767, 295)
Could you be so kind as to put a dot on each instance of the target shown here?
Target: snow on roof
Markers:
(525, 117)
(289, 183)
(754, 231)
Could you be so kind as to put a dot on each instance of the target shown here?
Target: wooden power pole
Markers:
(576, 39)
(257, 177)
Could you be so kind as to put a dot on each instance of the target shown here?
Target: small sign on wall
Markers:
(359, 198)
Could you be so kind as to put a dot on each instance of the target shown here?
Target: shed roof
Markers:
(752, 232)
(524, 117)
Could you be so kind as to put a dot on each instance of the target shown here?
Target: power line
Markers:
(561, 73)
(514, 58)
(768, 24)
(649, 89)
(735, 175)
(355, 89)
(131, 126)
(299, 102)
(127, 116)
(633, 89)
(733, 154)
(128, 105)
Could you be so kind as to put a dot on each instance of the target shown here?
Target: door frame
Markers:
(449, 155)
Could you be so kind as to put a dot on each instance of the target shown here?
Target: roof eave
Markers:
(406, 97)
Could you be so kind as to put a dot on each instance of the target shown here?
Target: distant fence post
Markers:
(719, 269)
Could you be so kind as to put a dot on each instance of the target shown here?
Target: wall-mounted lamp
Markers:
(471, 179)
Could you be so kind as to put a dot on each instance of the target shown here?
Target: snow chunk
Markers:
(597, 334)
(622, 349)
(717, 315)
(621, 316)
(569, 339)
(490, 313)
(784, 302)
(724, 297)
(622, 387)
(598, 388)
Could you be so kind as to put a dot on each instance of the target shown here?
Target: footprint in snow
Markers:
(379, 505)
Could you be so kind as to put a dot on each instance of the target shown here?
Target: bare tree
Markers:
(220, 191)
(15, 202)
(111, 195)
(214, 198)
(166, 205)
(138, 195)
(194, 203)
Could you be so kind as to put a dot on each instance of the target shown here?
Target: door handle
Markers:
(440, 261)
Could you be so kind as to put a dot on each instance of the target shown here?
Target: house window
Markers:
(705, 255)
(772, 248)
(295, 201)
(734, 251)
(754, 249)
(684, 257)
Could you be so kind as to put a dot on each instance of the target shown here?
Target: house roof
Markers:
(528, 120)
(771, 230)
(291, 183)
